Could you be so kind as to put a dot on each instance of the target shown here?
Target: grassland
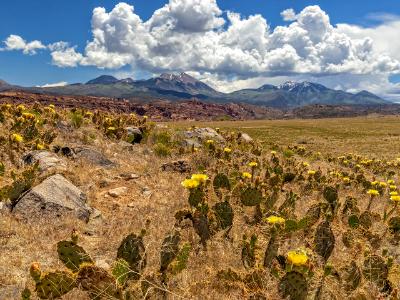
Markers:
(259, 224)
(376, 136)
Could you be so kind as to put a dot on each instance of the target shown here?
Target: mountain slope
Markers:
(183, 87)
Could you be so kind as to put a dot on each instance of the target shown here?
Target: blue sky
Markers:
(50, 21)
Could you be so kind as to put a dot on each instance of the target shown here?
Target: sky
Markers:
(351, 45)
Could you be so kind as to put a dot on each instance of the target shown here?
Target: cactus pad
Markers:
(324, 240)
(251, 196)
(72, 255)
(293, 286)
(196, 197)
(224, 214)
(121, 271)
(98, 282)
(53, 285)
(331, 195)
(169, 249)
(351, 276)
(375, 270)
(133, 251)
(221, 181)
(271, 252)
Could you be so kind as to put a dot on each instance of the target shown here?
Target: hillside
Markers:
(113, 206)
(178, 87)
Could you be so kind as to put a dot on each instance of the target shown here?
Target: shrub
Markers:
(162, 150)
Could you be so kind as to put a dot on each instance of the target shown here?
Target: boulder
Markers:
(203, 134)
(93, 156)
(135, 135)
(117, 192)
(244, 137)
(54, 197)
(47, 160)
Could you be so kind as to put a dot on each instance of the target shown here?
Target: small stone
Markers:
(117, 192)
(102, 263)
(181, 166)
(130, 176)
(244, 137)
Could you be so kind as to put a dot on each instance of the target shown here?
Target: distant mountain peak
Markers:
(181, 77)
(103, 79)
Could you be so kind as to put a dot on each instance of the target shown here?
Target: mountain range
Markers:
(175, 87)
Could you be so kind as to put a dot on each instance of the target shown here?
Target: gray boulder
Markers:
(135, 135)
(47, 160)
(93, 156)
(244, 137)
(54, 197)
(203, 134)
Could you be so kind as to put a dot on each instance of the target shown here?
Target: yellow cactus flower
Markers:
(391, 182)
(253, 164)
(15, 137)
(373, 192)
(227, 150)
(374, 183)
(201, 178)
(21, 107)
(395, 198)
(306, 164)
(40, 146)
(209, 142)
(297, 257)
(393, 187)
(52, 106)
(346, 179)
(273, 152)
(311, 172)
(382, 184)
(190, 183)
(394, 193)
(28, 116)
(246, 175)
(275, 220)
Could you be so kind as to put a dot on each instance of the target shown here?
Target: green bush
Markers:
(76, 119)
(162, 150)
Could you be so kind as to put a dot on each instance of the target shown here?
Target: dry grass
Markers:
(22, 243)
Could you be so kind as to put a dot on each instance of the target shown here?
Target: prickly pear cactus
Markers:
(201, 225)
(394, 225)
(251, 196)
(169, 249)
(248, 251)
(224, 214)
(133, 251)
(196, 196)
(121, 271)
(331, 195)
(98, 282)
(351, 276)
(293, 286)
(72, 255)
(312, 216)
(221, 181)
(375, 269)
(52, 285)
(271, 252)
(324, 240)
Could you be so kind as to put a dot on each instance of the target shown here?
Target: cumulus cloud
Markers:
(196, 36)
(15, 42)
(192, 35)
(289, 15)
(63, 55)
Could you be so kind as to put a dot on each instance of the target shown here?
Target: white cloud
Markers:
(195, 36)
(15, 42)
(48, 85)
(63, 55)
(289, 15)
